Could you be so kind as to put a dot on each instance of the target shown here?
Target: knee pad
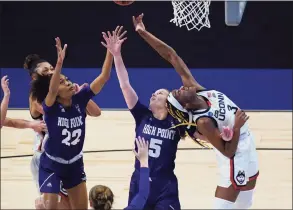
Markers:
(244, 200)
(222, 204)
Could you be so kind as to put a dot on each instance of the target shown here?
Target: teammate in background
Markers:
(65, 113)
(213, 112)
(102, 198)
(153, 124)
(15, 123)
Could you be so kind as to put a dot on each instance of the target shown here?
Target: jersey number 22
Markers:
(71, 135)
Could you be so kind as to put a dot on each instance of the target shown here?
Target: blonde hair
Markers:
(101, 197)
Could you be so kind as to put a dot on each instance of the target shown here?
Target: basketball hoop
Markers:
(193, 14)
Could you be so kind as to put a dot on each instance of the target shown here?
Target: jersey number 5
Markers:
(155, 147)
(74, 134)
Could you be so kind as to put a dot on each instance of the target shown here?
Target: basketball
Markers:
(123, 3)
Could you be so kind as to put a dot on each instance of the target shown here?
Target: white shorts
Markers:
(241, 168)
(35, 165)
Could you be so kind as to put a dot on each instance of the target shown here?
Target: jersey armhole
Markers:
(213, 120)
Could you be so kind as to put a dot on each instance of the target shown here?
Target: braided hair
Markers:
(177, 111)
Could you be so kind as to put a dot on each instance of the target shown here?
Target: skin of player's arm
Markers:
(17, 123)
(129, 93)
(97, 85)
(4, 107)
(170, 55)
(92, 109)
(54, 85)
(209, 130)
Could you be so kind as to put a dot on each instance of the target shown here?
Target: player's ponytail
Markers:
(101, 197)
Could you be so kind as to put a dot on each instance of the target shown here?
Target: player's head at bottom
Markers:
(158, 100)
(101, 197)
(40, 87)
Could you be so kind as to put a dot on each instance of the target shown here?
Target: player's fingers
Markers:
(116, 29)
(109, 34)
(133, 20)
(123, 34)
(119, 30)
(137, 143)
(123, 40)
(104, 44)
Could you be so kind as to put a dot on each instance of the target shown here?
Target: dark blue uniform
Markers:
(62, 160)
(163, 144)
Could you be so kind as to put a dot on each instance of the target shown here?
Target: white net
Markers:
(193, 14)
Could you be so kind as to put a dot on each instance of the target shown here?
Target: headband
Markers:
(173, 101)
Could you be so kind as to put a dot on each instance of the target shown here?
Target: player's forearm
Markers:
(93, 109)
(161, 47)
(121, 71)
(55, 80)
(107, 66)
(4, 107)
(17, 123)
(231, 146)
(129, 94)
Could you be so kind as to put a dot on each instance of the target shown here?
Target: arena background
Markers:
(251, 63)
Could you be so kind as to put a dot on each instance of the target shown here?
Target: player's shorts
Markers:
(55, 177)
(163, 192)
(241, 168)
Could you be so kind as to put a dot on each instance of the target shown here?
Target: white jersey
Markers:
(221, 109)
(243, 167)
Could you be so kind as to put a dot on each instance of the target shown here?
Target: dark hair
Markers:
(31, 61)
(40, 87)
(101, 197)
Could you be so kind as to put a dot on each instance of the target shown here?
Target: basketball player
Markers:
(212, 112)
(152, 123)
(15, 123)
(37, 66)
(65, 114)
(101, 197)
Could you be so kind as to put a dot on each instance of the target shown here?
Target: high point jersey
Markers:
(66, 126)
(163, 141)
(222, 110)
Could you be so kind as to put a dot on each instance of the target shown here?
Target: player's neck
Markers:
(160, 114)
(65, 102)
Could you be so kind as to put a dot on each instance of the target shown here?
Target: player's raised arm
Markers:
(5, 100)
(55, 81)
(167, 52)
(113, 44)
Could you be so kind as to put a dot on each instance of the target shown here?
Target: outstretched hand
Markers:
(60, 52)
(5, 85)
(142, 150)
(114, 40)
(137, 23)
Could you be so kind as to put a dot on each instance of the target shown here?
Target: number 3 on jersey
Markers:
(155, 147)
(75, 134)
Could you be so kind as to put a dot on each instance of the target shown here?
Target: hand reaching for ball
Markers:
(138, 24)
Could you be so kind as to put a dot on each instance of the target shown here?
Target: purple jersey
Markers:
(66, 126)
(163, 141)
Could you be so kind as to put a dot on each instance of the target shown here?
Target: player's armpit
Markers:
(208, 129)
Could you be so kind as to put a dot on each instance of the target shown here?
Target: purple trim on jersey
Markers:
(139, 201)
(84, 95)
